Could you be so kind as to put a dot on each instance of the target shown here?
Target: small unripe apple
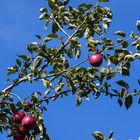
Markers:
(96, 60)
(18, 136)
(28, 122)
(30, 104)
(19, 116)
(69, 53)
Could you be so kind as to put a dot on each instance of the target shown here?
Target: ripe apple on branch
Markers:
(96, 60)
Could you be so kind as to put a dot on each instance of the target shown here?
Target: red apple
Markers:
(18, 136)
(19, 116)
(20, 128)
(28, 122)
(96, 60)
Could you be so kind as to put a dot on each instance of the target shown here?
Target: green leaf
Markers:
(138, 25)
(123, 84)
(82, 6)
(123, 43)
(34, 97)
(129, 58)
(72, 86)
(125, 71)
(52, 35)
(32, 48)
(18, 62)
(40, 127)
(105, 26)
(10, 133)
(138, 47)
(78, 100)
(139, 99)
(52, 4)
(42, 74)
(43, 15)
(66, 2)
(128, 101)
(98, 135)
(91, 43)
(106, 20)
(110, 135)
(47, 23)
(97, 95)
(55, 28)
(77, 53)
(46, 83)
(43, 10)
(47, 92)
(120, 33)
(137, 55)
(87, 33)
(37, 62)
(39, 37)
(110, 75)
(12, 70)
(24, 57)
(120, 102)
(46, 39)
(59, 87)
(108, 41)
(134, 43)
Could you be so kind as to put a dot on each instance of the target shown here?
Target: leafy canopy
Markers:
(62, 68)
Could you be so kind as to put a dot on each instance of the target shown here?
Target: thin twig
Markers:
(59, 26)
(97, 4)
(13, 94)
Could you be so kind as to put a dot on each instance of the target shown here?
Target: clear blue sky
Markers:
(18, 26)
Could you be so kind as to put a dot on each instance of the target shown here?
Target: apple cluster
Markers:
(24, 124)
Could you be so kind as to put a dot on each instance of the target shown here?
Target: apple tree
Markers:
(79, 35)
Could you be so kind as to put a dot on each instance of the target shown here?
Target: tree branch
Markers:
(127, 39)
(8, 89)
(59, 73)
